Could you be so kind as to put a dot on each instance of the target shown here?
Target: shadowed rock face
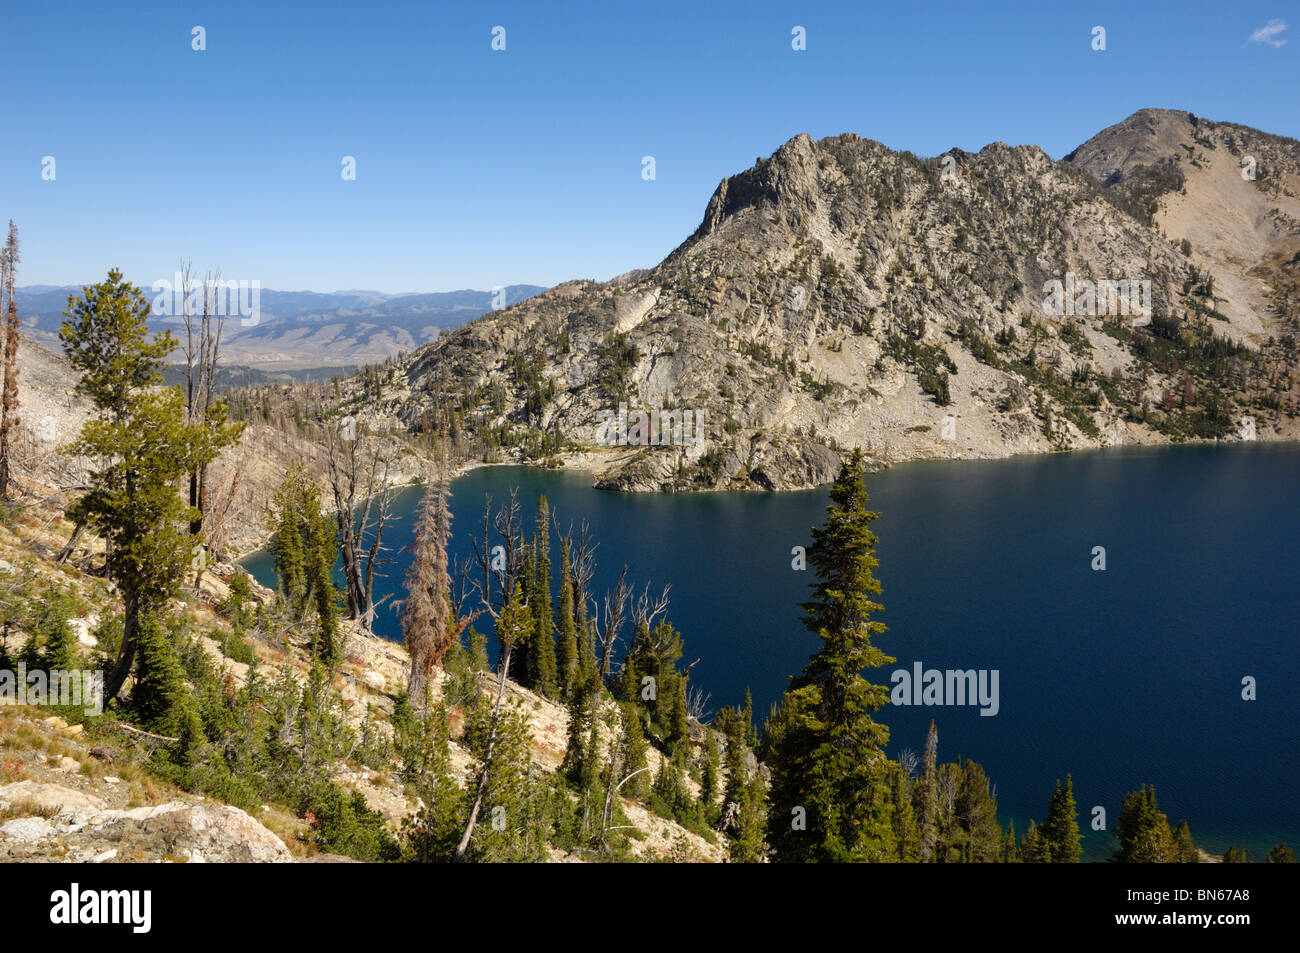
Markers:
(841, 294)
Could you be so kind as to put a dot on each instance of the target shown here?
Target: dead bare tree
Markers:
(202, 350)
(358, 469)
(221, 502)
(582, 568)
(616, 603)
(647, 609)
(9, 387)
(697, 704)
(430, 623)
(582, 565)
(497, 565)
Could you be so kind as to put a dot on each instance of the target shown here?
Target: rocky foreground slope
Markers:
(842, 294)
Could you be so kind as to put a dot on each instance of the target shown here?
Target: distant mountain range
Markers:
(298, 329)
(1144, 289)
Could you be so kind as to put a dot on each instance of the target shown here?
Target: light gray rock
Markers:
(53, 796)
(215, 832)
(27, 828)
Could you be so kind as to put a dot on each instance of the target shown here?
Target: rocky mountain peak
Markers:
(840, 293)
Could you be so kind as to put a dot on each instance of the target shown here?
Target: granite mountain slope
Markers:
(840, 293)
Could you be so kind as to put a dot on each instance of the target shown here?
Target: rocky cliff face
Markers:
(841, 294)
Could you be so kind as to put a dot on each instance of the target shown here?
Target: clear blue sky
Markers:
(478, 168)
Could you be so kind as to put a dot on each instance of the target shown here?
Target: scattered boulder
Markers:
(51, 797)
(85, 630)
(27, 828)
(206, 832)
(84, 831)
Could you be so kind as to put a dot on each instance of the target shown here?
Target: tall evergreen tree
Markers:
(1010, 849)
(736, 758)
(1184, 847)
(1033, 849)
(510, 831)
(141, 447)
(303, 543)
(830, 760)
(431, 834)
(568, 629)
(1142, 831)
(747, 715)
(927, 796)
(543, 669)
(747, 844)
(635, 753)
(521, 666)
(906, 833)
(55, 611)
(159, 694)
(1061, 829)
(581, 753)
(977, 817)
(709, 777)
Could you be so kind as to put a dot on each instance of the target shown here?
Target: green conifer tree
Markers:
(906, 832)
(634, 754)
(541, 658)
(830, 761)
(709, 777)
(304, 542)
(1184, 847)
(567, 663)
(159, 692)
(141, 447)
(510, 831)
(522, 667)
(1142, 830)
(1010, 849)
(1281, 854)
(977, 817)
(927, 796)
(747, 715)
(747, 844)
(1061, 828)
(431, 834)
(1033, 849)
(61, 651)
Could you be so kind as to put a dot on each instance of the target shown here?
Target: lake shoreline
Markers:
(581, 462)
(991, 568)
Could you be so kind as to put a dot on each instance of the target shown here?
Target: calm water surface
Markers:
(1119, 677)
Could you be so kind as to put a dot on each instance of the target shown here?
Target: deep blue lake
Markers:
(1119, 677)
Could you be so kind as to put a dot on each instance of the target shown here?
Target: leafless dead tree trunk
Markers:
(202, 352)
(607, 629)
(9, 386)
(363, 507)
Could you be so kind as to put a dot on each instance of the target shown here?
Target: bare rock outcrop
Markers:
(76, 827)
